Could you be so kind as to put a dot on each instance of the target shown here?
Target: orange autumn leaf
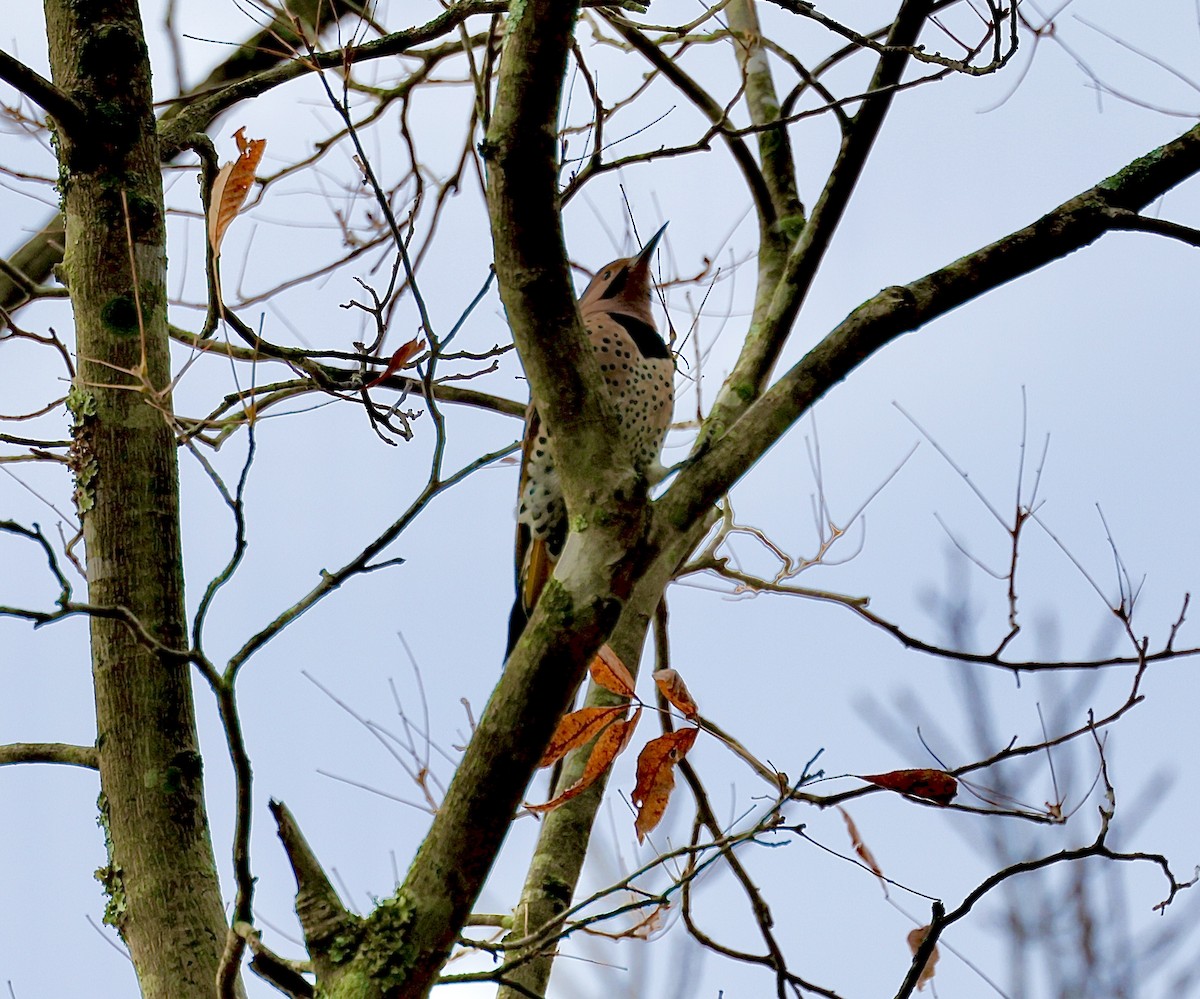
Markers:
(233, 183)
(932, 785)
(400, 358)
(656, 776)
(577, 728)
(671, 684)
(609, 746)
(860, 848)
(610, 673)
(915, 939)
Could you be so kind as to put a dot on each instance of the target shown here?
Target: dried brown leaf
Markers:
(578, 727)
(609, 746)
(671, 684)
(610, 673)
(400, 358)
(233, 183)
(656, 776)
(932, 785)
(860, 848)
(915, 939)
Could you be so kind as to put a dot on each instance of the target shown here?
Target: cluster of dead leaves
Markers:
(613, 729)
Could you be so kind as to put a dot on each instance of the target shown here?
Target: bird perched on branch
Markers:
(639, 375)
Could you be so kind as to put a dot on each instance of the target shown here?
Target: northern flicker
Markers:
(639, 375)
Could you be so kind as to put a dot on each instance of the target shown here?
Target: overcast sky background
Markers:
(1103, 345)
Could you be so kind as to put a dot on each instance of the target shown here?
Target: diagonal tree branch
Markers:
(902, 309)
(61, 106)
(456, 855)
(765, 342)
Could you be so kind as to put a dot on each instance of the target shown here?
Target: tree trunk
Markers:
(164, 895)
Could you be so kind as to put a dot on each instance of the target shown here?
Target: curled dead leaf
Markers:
(610, 673)
(656, 776)
(577, 728)
(400, 358)
(932, 785)
(915, 939)
(671, 684)
(233, 183)
(864, 854)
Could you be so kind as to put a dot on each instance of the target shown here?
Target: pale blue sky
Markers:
(1103, 344)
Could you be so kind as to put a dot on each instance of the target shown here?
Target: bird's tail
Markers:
(532, 575)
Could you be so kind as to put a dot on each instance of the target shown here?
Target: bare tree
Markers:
(559, 95)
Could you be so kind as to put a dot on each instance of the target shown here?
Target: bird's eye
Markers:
(607, 274)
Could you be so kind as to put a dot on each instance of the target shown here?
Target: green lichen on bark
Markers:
(63, 177)
(743, 391)
(81, 458)
(792, 225)
(385, 953)
(367, 957)
(110, 875)
(560, 608)
(1133, 172)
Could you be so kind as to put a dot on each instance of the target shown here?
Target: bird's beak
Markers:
(639, 266)
(647, 251)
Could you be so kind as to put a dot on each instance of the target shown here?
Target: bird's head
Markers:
(624, 285)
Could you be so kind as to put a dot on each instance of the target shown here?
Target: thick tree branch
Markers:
(566, 832)
(902, 309)
(765, 341)
(161, 863)
(520, 150)
(531, 263)
(59, 105)
(49, 752)
(328, 928)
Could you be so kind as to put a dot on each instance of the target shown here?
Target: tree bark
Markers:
(164, 897)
